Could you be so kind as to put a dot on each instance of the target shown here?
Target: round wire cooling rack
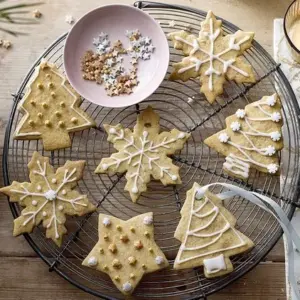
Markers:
(196, 161)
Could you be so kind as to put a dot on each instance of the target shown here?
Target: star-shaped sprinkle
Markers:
(37, 14)
(212, 56)
(172, 23)
(48, 197)
(69, 19)
(126, 250)
(143, 152)
(6, 44)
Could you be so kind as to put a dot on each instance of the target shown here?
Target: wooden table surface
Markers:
(24, 275)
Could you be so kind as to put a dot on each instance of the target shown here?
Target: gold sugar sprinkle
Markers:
(106, 237)
(101, 250)
(50, 85)
(132, 229)
(124, 238)
(144, 266)
(150, 250)
(31, 123)
(117, 278)
(147, 234)
(116, 264)
(58, 114)
(40, 86)
(32, 102)
(132, 260)
(105, 267)
(119, 227)
(138, 245)
(132, 276)
(74, 120)
(45, 105)
(112, 248)
(48, 76)
(62, 104)
(61, 124)
(40, 115)
(48, 123)
(53, 95)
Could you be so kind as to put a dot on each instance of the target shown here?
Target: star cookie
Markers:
(212, 56)
(126, 250)
(51, 110)
(49, 197)
(208, 235)
(143, 152)
(252, 138)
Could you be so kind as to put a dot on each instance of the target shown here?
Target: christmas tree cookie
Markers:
(208, 235)
(51, 110)
(49, 197)
(143, 152)
(212, 56)
(126, 250)
(251, 139)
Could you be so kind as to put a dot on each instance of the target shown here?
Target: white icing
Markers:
(142, 152)
(159, 260)
(271, 100)
(60, 208)
(216, 236)
(270, 150)
(212, 36)
(215, 264)
(275, 136)
(235, 165)
(240, 113)
(127, 287)
(44, 214)
(272, 168)
(50, 195)
(64, 192)
(92, 261)
(39, 188)
(223, 137)
(53, 180)
(276, 116)
(34, 202)
(148, 220)
(235, 126)
(181, 135)
(106, 222)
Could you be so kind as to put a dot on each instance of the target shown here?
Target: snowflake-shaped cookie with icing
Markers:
(143, 152)
(126, 250)
(212, 56)
(252, 138)
(49, 197)
(51, 109)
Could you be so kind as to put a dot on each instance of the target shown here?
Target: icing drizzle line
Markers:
(213, 35)
(216, 212)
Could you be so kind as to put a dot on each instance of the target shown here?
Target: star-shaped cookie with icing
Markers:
(48, 197)
(212, 56)
(143, 152)
(126, 250)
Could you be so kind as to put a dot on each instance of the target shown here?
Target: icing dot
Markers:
(134, 190)
(62, 104)
(34, 202)
(92, 261)
(275, 136)
(127, 287)
(223, 137)
(240, 113)
(61, 124)
(64, 192)
(174, 177)
(235, 126)
(44, 214)
(47, 123)
(148, 220)
(276, 117)
(112, 130)
(45, 105)
(50, 195)
(60, 207)
(74, 120)
(104, 167)
(145, 134)
(40, 115)
(39, 188)
(106, 222)
(159, 260)
(181, 135)
(53, 180)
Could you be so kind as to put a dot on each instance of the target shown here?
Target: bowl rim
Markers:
(146, 15)
(285, 29)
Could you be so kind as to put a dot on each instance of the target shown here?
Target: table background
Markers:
(25, 276)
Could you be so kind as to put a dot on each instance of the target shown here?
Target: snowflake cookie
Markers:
(251, 139)
(212, 56)
(51, 109)
(49, 197)
(126, 250)
(143, 152)
(208, 235)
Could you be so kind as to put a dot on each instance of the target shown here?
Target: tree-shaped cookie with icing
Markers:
(143, 152)
(212, 56)
(251, 139)
(48, 197)
(51, 109)
(208, 235)
(126, 250)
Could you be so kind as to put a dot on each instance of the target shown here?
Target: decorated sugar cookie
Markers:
(208, 235)
(126, 250)
(51, 110)
(212, 56)
(251, 139)
(48, 197)
(143, 152)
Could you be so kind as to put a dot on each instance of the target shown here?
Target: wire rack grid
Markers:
(196, 161)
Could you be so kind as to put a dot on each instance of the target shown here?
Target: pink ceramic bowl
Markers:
(115, 20)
